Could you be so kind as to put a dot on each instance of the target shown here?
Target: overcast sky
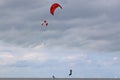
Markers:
(83, 36)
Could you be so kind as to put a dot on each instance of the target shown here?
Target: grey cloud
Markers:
(80, 24)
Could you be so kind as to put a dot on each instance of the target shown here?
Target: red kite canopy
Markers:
(53, 8)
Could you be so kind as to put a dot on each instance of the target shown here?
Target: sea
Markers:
(59, 78)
